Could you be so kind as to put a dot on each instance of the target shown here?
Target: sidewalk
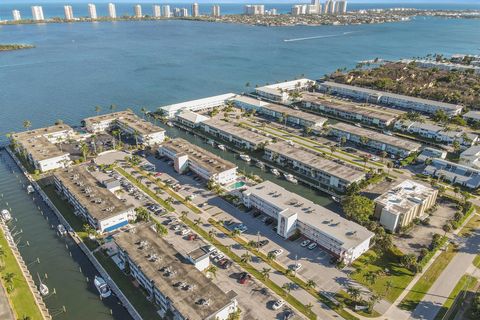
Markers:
(5, 309)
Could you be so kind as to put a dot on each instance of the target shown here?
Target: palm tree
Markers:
(8, 278)
(211, 234)
(364, 140)
(235, 233)
(97, 109)
(389, 166)
(311, 284)
(135, 135)
(383, 154)
(365, 160)
(388, 286)
(371, 277)
(197, 221)
(27, 124)
(94, 143)
(84, 149)
(271, 256)
(161, 229)
(169, 200)
(246, 257)
(343, 140)
(332, 150)
(266, 273)
(287, 287)
(183, 214)
(213, 270)
(354, 293)
(309, 306)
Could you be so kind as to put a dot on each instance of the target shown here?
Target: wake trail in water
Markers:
(320, 37)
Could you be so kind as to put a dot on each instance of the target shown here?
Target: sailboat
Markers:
(42, 287)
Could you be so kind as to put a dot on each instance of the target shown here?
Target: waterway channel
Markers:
(64, 264)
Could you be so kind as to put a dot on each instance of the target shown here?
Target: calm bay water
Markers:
(75, 67)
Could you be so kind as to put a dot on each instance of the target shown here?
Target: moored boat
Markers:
(222, 147)
(245, 157)
(6, 216)
(290, 178)
(30, 189)
(275, 172)
(102, 287)
(260, 164)
(42, 287)
(61, 229)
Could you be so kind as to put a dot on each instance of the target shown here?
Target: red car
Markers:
(158, 174)
(244, 278)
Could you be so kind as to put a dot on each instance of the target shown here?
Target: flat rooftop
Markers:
(296, 113)
(214, 100)
(239, 132)
(105, 117)
(371, 111)
(249, 100)
(97, 200)
(204, 158)
(404, 196)
(285, 85)
(348, 233)
(377, 136)
(316, 161)
(475, 115)
(373, 92)
(127, 118)
(36, 142)
(169, 269)
(192, 116)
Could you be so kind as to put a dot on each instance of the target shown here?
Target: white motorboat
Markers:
(211, 142)
(30, 189)
(222, 147)
(42, 287)
(61, 229)
(6, 216)
(102, 287)
(260, 164)
(245, 157)
(336, 199)
(290, 178)
(275, 172)
(170, 123)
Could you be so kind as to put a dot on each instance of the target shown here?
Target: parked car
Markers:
(244, 278)
(295, 267)
(278, 304)
(288, 314)
(312, 246)
(263, 243)
(277, 252)
(305, 243)
(269, 221)
(256, 214)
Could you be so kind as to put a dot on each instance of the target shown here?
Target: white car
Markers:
(278, 304)
(186, 231)
(296, 267)
(312, 246)
(305, 243)
(277, 252)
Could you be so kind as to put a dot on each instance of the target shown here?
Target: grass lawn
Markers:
(398, 276)
(466, 283)
(134, 294)
(67, 212)
(345, 298)
(422, 286)
(476, 261)
(472, 225)
(21, 298)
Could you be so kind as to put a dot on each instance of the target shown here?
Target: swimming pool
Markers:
(236, 185)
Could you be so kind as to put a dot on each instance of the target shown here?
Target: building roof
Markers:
(404, 196)
(306, 116)
(204, 158)
(104, 117)
(37, 143)
(219, 100)
(192, 116)
(235, 130)
(287, 85)
(248, 100)
(100, 203)
(348, 233)
(127, 118)
(475, 115)
(378, 93)
(166, 267)
(316, 161)
(377, 136)
(371, 111)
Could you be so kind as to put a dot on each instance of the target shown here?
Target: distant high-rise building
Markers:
(195, 11)
(183, 12)
(68, 12)
(216, 10)
(317, 5)
(112, 11)
(166, 11)
(255, 9)
(37, 13)
(16, 15)
(341, 6)
(92, 11)
(157, 11)
(138, 11)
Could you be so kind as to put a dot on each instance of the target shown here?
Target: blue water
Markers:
(148, 64)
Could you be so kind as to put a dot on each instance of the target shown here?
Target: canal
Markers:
(303, 190)
(63, 267)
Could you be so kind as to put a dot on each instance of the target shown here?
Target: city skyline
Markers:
(235, 1)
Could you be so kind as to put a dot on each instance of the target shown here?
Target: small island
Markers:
(15, 46)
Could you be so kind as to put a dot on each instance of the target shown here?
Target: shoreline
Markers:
(15, 46)
(284, 20)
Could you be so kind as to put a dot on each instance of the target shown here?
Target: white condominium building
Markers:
(187, 156)
(216, 10)
(341, 7)
(112, 11)
(195, 10)
(471, 157)
(142, 131)
(92, 11)
(178, 289)
(68, 12)
(167, 13)
(204, 104)
(37, 13)
(98, 206)
(157, 11)
(16, 15)
(138, 11)
(281, 92)
(255, 9)
(455, 173)
(399, 206)
(345, 239)
(40, 146)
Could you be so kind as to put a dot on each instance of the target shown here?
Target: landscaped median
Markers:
(142, 187)
(19, 294)
(275, 265)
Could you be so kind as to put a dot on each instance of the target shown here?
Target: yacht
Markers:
(245, 157)
(222, 147)
(260, 164)
(5, 215)
(170, 123)
(42, 287)
(290, 178)
(275, 172)
(30, 189)
(102, 287)
(211, 142)
(61, 229)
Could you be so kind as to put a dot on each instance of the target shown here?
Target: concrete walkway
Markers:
(5, 310)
